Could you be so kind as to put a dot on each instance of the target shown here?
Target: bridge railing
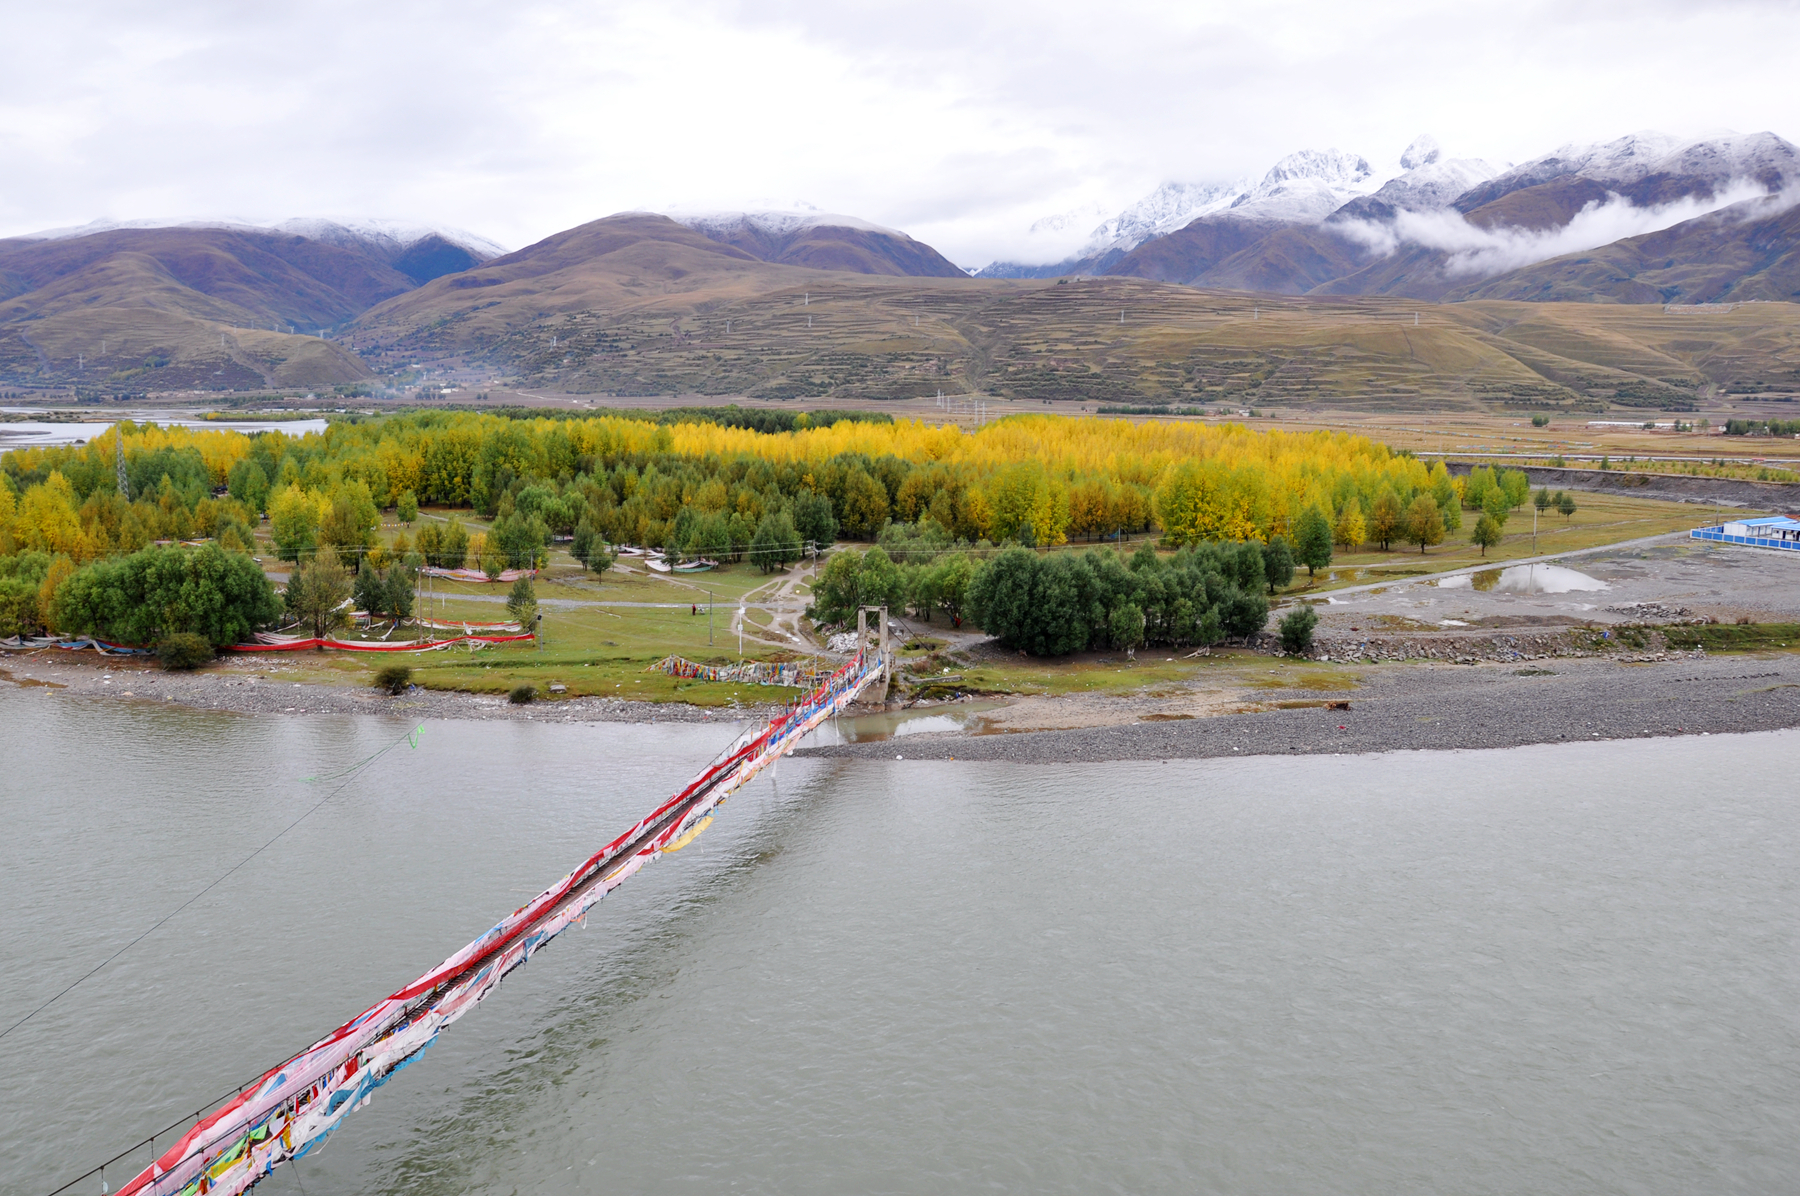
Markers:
(293, 1106)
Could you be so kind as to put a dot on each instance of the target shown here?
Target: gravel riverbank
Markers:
(251, 686)
(1429, 706)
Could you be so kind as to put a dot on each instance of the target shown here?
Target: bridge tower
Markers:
(879, 688)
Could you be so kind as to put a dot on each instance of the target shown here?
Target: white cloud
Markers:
(960, 122)
(1480, 252)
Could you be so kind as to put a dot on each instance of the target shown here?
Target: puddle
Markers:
(1524, 579)
(877, 728)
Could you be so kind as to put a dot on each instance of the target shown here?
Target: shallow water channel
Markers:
(1553, 969)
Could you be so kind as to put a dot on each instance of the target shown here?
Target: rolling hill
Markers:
(641, 306)
(823, 241)
(136, 309)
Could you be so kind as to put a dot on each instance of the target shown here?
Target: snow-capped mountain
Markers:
(1652, 167)
(1305, 187)
(1431, 183)
(779, 222)
(805, 236)
(393, 237)
(1164, 210)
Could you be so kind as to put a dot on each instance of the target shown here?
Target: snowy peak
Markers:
(1305, 187)
(805, 236)
(1333, 167)
(394, 237)
(1427, 188)
(1659, 166)
(1422, 152)
(1164, 210)
(774, 222)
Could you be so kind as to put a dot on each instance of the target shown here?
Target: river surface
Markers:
(1557, 969)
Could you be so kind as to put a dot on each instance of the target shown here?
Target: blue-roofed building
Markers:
(1773, 531)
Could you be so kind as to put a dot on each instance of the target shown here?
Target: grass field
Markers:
(1599, 519)
(600, 635)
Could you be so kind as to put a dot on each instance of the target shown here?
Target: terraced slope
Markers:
(880, 338)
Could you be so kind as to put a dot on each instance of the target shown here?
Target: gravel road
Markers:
(1411, 707)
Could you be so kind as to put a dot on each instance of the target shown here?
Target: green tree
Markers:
(776, 544)
(1565, 503)
(1126, 626)
(154, 593)
(369, 591)
(1424, 523)
(1516, 486)
(453, 545)
(316, 593)
(1278, 564)
(348, 526)
(1487, 533)
(293, 523)
(951, 575)
(407, 508)
(814, 520)
(249, 484)
(1296, 627)
(519, 539)
(400, 590)
(522, 603)
(1496, 507)
(1541, 500)
(1312, 540)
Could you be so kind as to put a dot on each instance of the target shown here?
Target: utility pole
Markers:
(709, 622)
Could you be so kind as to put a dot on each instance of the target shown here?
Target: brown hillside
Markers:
(1188, 253)
(1719, 257)
(138, 309)
(839, 248)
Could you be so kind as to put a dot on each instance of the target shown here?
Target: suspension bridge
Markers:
(291, 1108)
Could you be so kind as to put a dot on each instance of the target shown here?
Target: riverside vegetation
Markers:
(955, 516)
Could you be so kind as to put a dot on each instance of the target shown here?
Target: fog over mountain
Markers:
(1325, 219)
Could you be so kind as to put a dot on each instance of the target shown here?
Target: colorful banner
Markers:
(753, 672)
(269, 642)
(476, 574)
(295, 1105)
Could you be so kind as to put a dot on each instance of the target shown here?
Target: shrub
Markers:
(1297, 629)
(393, 677)
(183, 650)
(522, 695)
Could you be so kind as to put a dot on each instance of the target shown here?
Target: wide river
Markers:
(1568, 969)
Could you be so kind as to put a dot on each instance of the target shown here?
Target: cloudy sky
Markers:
(959, 122)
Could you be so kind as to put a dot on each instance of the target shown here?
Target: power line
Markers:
(409, 737)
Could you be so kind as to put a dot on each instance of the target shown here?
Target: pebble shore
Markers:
(1423, 707)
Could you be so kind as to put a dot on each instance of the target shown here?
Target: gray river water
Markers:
(1566, 969)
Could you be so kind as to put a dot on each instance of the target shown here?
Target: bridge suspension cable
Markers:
(291, 1108)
